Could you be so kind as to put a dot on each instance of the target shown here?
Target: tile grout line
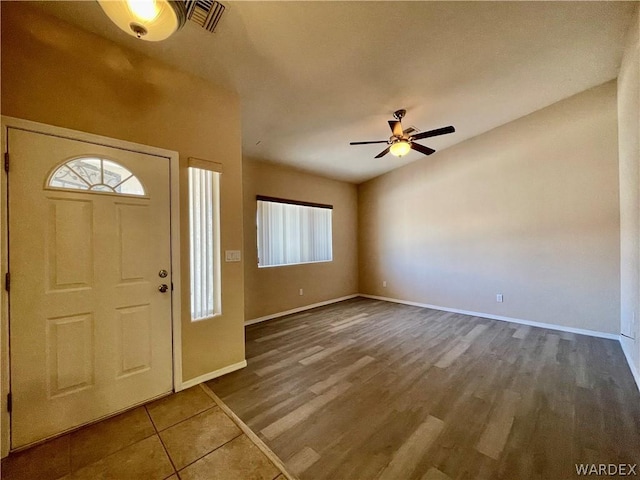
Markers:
(72, 470)
(164, 447)
(249, 433)
(210, 452)
(176, 470)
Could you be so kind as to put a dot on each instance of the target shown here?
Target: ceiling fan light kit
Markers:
(151, 20)
(400, 148)
(403, 141)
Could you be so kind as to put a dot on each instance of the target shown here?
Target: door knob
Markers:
(163, 288)
(163, 274)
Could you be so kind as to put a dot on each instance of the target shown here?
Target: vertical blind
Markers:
(290, 233)
(204, 248)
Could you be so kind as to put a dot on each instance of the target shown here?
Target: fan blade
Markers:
(422, 149)
(366, 143)
(384, 152)
(396, 128)
(434, 133)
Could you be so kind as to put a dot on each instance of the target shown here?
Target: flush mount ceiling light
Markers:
(152, 20)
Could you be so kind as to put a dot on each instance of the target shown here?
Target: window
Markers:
(96, 175)
(204, 231)
(291, 232)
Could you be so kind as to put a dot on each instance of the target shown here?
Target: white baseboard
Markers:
(211, 375)
(632, 366)
(550, 326)
(299, 309)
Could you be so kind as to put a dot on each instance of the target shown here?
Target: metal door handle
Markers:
(163, 288)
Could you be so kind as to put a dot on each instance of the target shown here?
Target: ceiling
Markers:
(313, 76)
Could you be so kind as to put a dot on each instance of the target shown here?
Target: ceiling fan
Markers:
(401, 141)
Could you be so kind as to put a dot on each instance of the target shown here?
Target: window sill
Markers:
(294, 264)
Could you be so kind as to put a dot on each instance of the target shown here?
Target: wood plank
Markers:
(307, 352)
(303, 412)
(434, 474)
(321, 386)
(302, 460)
(348, 324)
(407, 457)
(532, 400)
(327, 352)
(349, 319)
(452, 355)
(522, 331)
(281, 333)
(499, 426)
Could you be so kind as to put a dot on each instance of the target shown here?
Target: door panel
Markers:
(69, 249)
(90, 332)
(69, 354)
(134, 340)
(133, 231)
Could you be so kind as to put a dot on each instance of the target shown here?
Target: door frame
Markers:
(174, 180)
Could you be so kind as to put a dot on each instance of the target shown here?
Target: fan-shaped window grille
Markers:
(96, 175)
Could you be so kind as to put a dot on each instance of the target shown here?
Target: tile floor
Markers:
(186, 436)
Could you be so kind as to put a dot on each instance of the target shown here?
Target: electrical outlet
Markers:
(499, 298)
(384, 283)
(301, 292)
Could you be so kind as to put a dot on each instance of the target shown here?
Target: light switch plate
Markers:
(232, 255)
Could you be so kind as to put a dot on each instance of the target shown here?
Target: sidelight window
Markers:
(204, 230)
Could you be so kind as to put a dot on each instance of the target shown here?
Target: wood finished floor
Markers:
(366, 389)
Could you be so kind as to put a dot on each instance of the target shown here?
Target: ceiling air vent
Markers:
(206, 13)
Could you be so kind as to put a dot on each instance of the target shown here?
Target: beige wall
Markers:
(629, 145)
(529, 210)
(57, 74)
(275, 289)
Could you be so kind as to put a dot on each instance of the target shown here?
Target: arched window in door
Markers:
(96, 175)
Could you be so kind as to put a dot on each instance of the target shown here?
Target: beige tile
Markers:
(94, 442)
(44, 462)
(173, 477)
(193, 438)
(238, 459)
(179, 406)
(145, 459)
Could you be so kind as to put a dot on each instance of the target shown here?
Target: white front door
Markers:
(89, 244)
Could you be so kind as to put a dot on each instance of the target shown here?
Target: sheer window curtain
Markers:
(290, 234)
